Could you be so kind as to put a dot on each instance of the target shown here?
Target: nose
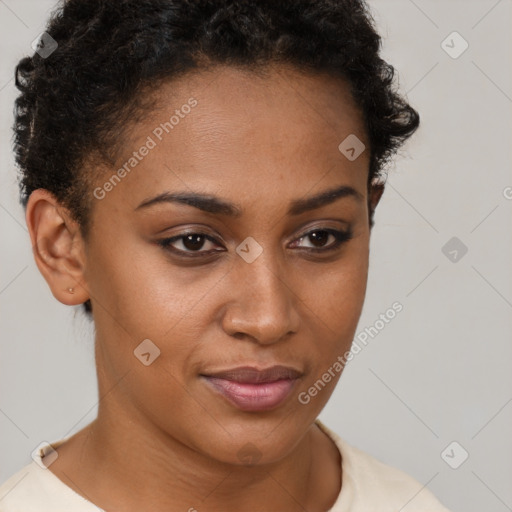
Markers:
(263, 305)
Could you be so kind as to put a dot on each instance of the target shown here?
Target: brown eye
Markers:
(319, 239)
(193, 242)
(187, 244)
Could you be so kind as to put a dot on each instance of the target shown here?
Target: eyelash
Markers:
(340, 238)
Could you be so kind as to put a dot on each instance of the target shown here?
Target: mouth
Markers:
(251, 389)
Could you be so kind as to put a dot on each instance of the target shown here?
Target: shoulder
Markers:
(34, 488)
(24, 490)
(370, 485)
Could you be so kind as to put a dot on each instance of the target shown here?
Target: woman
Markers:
(202, 176)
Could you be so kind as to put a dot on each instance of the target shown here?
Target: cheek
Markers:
(138, 298)
(135, 286)
(338, 292)
(140, 295)
(337, 305)
(336, 302)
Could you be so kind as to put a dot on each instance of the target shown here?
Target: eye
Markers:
(188, 244)
(191, 244)
(319, 239)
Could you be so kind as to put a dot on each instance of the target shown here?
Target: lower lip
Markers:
(253, 397)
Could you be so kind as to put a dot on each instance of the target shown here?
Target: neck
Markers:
(171, 476)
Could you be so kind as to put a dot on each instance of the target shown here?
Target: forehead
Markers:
(229, 128)
(282, 96)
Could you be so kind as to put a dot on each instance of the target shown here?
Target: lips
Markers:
(251, 375)
(251, 389)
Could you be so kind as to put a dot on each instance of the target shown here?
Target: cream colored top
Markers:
(368, 486)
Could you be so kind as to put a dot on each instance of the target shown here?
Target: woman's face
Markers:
(246, 289)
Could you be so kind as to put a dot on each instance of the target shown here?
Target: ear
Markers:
(58, 247)
(375, 192)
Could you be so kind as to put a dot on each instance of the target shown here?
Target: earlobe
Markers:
(57, 247)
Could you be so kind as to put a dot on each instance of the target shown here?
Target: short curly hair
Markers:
(110, 53)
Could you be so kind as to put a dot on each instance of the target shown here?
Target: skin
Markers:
(259, 142)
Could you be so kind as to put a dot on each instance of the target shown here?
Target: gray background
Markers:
(437, 373)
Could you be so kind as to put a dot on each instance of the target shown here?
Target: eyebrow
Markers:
(212, 204)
